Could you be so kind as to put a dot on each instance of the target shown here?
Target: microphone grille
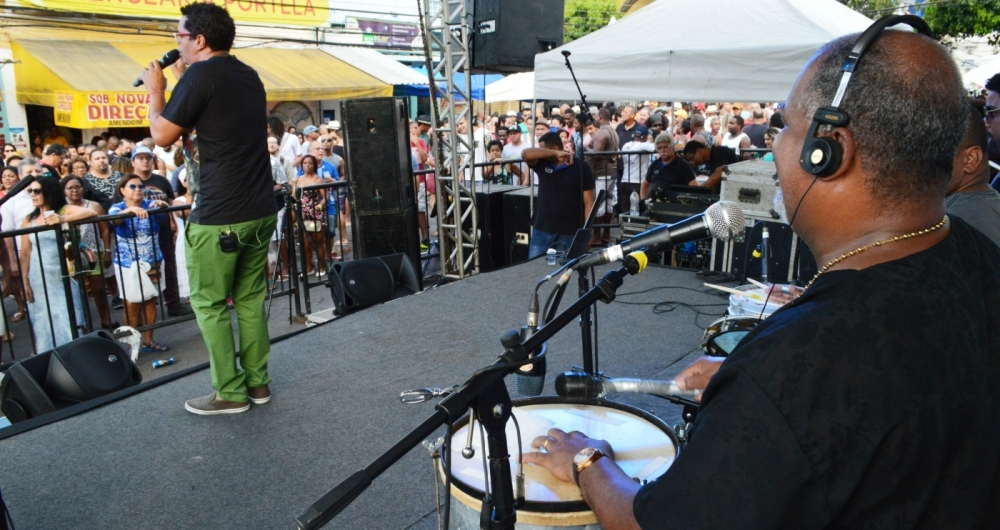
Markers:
(529, 385)
(725, 220)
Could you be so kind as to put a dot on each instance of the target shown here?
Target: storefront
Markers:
(85, 87)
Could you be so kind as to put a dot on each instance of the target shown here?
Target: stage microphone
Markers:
(580, 385)
(722, 220)
(168, 59)
(529, 378)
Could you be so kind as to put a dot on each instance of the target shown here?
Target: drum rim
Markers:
(567, 506)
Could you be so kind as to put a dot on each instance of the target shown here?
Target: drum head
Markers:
(645, 447)
(723, 335)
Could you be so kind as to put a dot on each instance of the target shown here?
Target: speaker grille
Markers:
(377, 149)
(381, 235)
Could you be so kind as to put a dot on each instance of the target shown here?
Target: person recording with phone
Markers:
(870, 400)
(219, 110)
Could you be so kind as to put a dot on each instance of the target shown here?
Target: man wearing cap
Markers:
(311, 133)
(513, 150)
(424, 133)
(219, 109)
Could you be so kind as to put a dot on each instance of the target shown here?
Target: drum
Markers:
(752, 304)
(722, 336)
(645, 447)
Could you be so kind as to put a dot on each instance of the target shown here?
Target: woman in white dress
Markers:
(180, 216)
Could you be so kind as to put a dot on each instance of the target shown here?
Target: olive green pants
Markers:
(215, 275)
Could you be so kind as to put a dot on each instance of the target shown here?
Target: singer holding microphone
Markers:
(219, 110)
(871, 400)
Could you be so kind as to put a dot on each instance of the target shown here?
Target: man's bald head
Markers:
(907, 109)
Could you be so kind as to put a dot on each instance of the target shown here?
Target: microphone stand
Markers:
(583, 98)
(485, 391)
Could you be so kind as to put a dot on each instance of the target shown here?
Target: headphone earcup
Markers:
(821, 156)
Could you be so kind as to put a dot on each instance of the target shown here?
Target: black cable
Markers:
(716, 276)
(446, 452)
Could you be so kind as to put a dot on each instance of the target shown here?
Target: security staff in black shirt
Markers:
(870, 401)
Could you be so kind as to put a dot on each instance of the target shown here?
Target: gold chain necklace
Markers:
(875, 244)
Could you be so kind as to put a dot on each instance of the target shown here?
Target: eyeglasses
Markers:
(74, 188)
(179, 36)
(990, 111)
(136, 186)
(326, 141)
(34, 191)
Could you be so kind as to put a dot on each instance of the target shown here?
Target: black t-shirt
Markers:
(223, 101)
(663, 175)
(872, 401)
(721, 156)
(560, 208)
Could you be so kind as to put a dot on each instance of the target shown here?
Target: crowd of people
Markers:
(136, 264)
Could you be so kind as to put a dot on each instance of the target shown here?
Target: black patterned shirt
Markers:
(872, 401)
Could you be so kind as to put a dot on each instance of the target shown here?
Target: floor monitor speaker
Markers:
(91, 366)
(362, 283)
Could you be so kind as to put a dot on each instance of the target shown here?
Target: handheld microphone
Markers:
(168, 59)
(582, 385)
(722, 220)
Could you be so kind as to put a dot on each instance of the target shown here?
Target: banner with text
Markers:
(85, 110)
(278, 12)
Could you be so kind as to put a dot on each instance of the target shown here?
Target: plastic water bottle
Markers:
(159, 362)
(634, 209)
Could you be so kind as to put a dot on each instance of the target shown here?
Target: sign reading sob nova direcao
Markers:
(86, 110)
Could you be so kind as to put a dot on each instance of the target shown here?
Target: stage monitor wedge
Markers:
(511, 32)
(362, 283)
(89, 367)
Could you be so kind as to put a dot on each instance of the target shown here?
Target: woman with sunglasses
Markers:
(136, 254)
(97, 256)
(41, 267)
(8, 151)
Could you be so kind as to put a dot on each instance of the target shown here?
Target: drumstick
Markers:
(758, 284)
(734, 291)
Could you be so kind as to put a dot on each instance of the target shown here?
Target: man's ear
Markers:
(849, 152)
(972, 157)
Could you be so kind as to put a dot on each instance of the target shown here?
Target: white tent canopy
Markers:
(977, 77)
(515, 87)
(755, 56)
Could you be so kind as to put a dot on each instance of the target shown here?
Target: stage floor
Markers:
(144, 462)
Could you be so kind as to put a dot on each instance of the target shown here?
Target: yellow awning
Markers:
(89, 83)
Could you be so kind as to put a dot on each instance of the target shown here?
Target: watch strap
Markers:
(578, 468)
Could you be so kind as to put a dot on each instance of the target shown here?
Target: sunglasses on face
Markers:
(991, 112)
(136, 186)
(34, 191)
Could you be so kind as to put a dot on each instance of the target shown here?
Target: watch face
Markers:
(584, 455)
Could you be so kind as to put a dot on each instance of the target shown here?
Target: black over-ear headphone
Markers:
(821, 155)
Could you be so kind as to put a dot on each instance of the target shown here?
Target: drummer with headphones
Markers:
(870, 401)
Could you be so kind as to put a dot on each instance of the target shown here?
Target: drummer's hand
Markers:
(697, 376)
(560, 448)
(783, 293)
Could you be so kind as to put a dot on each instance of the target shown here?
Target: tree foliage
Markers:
(587, 16)
(965, 18)
(871, 8)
